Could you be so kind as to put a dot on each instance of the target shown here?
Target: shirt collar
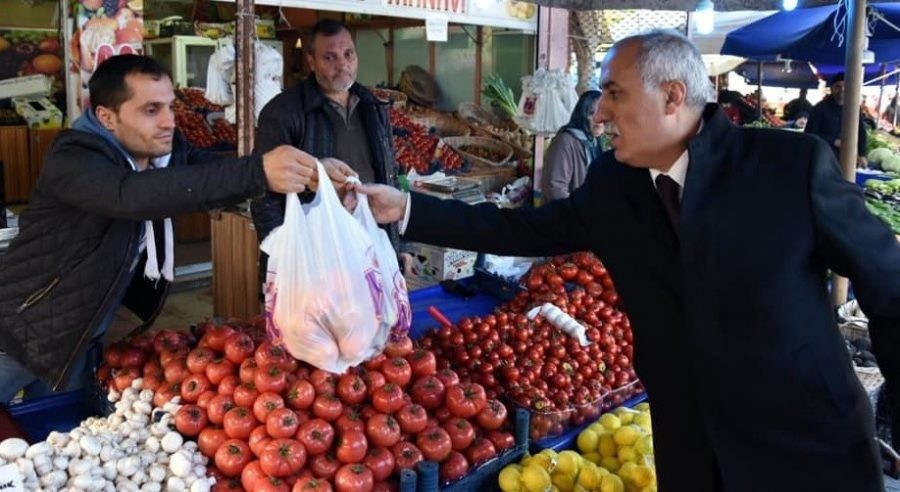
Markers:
(678, 171)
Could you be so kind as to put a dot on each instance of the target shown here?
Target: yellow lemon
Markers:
(587, 441)
(535, 479)
(598, 428)
(643, 476)
(607, 446)
(644, 446)
(593, 457)
(625, 414)
(610, 421)
(627, 435)
(589, 477)
(611, 463)
(579, 488)
(543, 460)
(568, 463)
(611, 483)
(563, 481)
(642, 406)
(649, 488)
(644, 422)
(627, 453)
(626, 470)
(509, 479)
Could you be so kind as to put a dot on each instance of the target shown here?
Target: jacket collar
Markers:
(313, 99)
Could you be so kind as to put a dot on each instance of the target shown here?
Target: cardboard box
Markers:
(31, 85)
(431, 264)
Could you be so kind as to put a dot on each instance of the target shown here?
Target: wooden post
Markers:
(389, 57)
(245, 34)
(432, 57)
(479, 53)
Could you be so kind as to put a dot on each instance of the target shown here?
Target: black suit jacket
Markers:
(734, 334)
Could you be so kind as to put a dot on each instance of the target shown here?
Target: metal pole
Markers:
(856, 31)
(759, 109)
(896, 102)
(880, 97)
(245, 34)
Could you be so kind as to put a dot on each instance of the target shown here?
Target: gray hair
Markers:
(665, 56)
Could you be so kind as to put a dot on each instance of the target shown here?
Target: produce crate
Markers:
(567, 439)
(452, 306)
(501, 152)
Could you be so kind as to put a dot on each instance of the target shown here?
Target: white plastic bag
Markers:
(323, 284)
(219, 74)
(396, 312)
(548, 98)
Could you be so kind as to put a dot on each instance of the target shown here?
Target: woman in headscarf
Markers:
(572, 150)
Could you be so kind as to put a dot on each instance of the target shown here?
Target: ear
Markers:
(106, 117)
(309, 60)
(676, 92)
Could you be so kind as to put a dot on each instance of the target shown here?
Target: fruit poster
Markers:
(104, 28)
(30, 52)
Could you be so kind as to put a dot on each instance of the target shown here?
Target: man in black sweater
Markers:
(825, 121)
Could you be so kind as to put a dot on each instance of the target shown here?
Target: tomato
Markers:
(388, 398)
(351, 389)
(324, 466)
(466, 400)
(449, 377)
(316, 436)
(270, 378)
(227, 484)
(406, 455)
(350, 419)
(412, 418)
(310, 484)
(399, 348)
(232, 456)
(252, 475)
(492, 416)
(269, 354)
(245, 394)
(238, 347)
(373, 380)
(238, 423)
(385, 487)
(204, 399)
(354, 478)
(176, 370)
(435, 444)
(258, 440)
(282, 423)
(501, 440)
(133, 357)
(215, 337)
(480, 451)
(143, 341)
(209, 441)
(351, 447)
(266, 403)
(124, 378)
(169, 340)
(167, 356)
(271, 484)
(568, 271)
(381, 462)
(282, 457)
(199, 358)
(217, 407)
(190, 420)
(429, 392)
(327, 408)
(228, 384)
(165, 393)
(383, 430)
(193, 386)
(374, 363)
(248, 370)
(397, 371)
(454, 467)
(324, 382)
(300, 395)
(218, 369)
(461, 433)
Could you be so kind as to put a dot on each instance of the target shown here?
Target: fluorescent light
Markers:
(704, 17)
(789, 4)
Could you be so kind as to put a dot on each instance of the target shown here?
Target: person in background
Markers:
(800, 122)
(825, 121)
(97, 233)
(795, 107)
(573, 149)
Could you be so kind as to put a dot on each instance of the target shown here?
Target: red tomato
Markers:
(165, 393)
(245, 394)
(428, 391)
(258, 440)
(190, 420)
(350, 419)
(199, 358)
(270, 378)
(480, 451)
(248, 370)
(316, 436)
(282, 457)
(232, 456)
(448, 377)
(324, 466)
(406, 455)
(466, 400)
(385, 487)
(492, 416)
(169, 340)
(267, 354)
(351, 447)
(226, 484)
(397, 371)
(412, 418)
(217, 407)
(381, 462)
(501, 440)
(143, 341)
(215, 337)
(323, 381)
(435, 444)
(282, 423)
(167, 356)
(454, 467)
(238, 423)
(266, 403)
(354, 478)
(388, 398)
(310, 484)
(423, 363)
(461, 433)
(193, 386)
(351, 389)
(374, 363)
(209, 441)
(383, 430)
(399, 348)
(373, 380)
(238, 347)
(300, 395)
(133, 357)
(271, 484)
(218, 369)
(124, 378)
(204, 399)
(327, 407)
(252, 476)
(176, 370)
(228, 384)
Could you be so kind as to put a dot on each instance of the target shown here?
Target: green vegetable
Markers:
(886, 212)
(497, 91)
(878, 155)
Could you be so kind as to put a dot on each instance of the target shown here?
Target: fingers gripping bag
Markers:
(323, 303)
(397, 313)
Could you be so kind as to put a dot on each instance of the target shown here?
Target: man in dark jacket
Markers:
(96, 233)
(328, 115)
(719, 239)
(797, 107)
(826, 117)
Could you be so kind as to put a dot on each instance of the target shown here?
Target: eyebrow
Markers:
(610, 84)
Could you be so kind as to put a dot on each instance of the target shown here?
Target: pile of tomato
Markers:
(270, 422)
(535, 365)
(417, 148)
(191, 108)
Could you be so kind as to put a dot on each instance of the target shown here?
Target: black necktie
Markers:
(668, 191)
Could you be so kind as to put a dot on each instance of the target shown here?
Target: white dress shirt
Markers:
(678, 173)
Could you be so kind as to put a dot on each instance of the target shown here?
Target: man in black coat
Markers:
(719, 240)
(96, 232)
(826, 117)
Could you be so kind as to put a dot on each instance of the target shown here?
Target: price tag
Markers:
(436, 27)
(10, 479)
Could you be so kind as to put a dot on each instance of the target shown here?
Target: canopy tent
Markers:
(871, 74)
(815, 35)
(788, 74)
(726, 22)
(684, 5)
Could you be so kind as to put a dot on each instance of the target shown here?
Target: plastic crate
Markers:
(59, 412)
(451, 306)
(567, 439)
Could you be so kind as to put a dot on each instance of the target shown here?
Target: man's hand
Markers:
(338, 171)
(388, 204)
(288, 169)
(862, 162)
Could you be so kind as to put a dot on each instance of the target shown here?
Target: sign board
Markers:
(11, 479)
(436, 27)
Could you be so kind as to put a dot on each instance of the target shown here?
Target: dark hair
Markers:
(837, 78)
(584, 108)
(108, 87)
(326, 28)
